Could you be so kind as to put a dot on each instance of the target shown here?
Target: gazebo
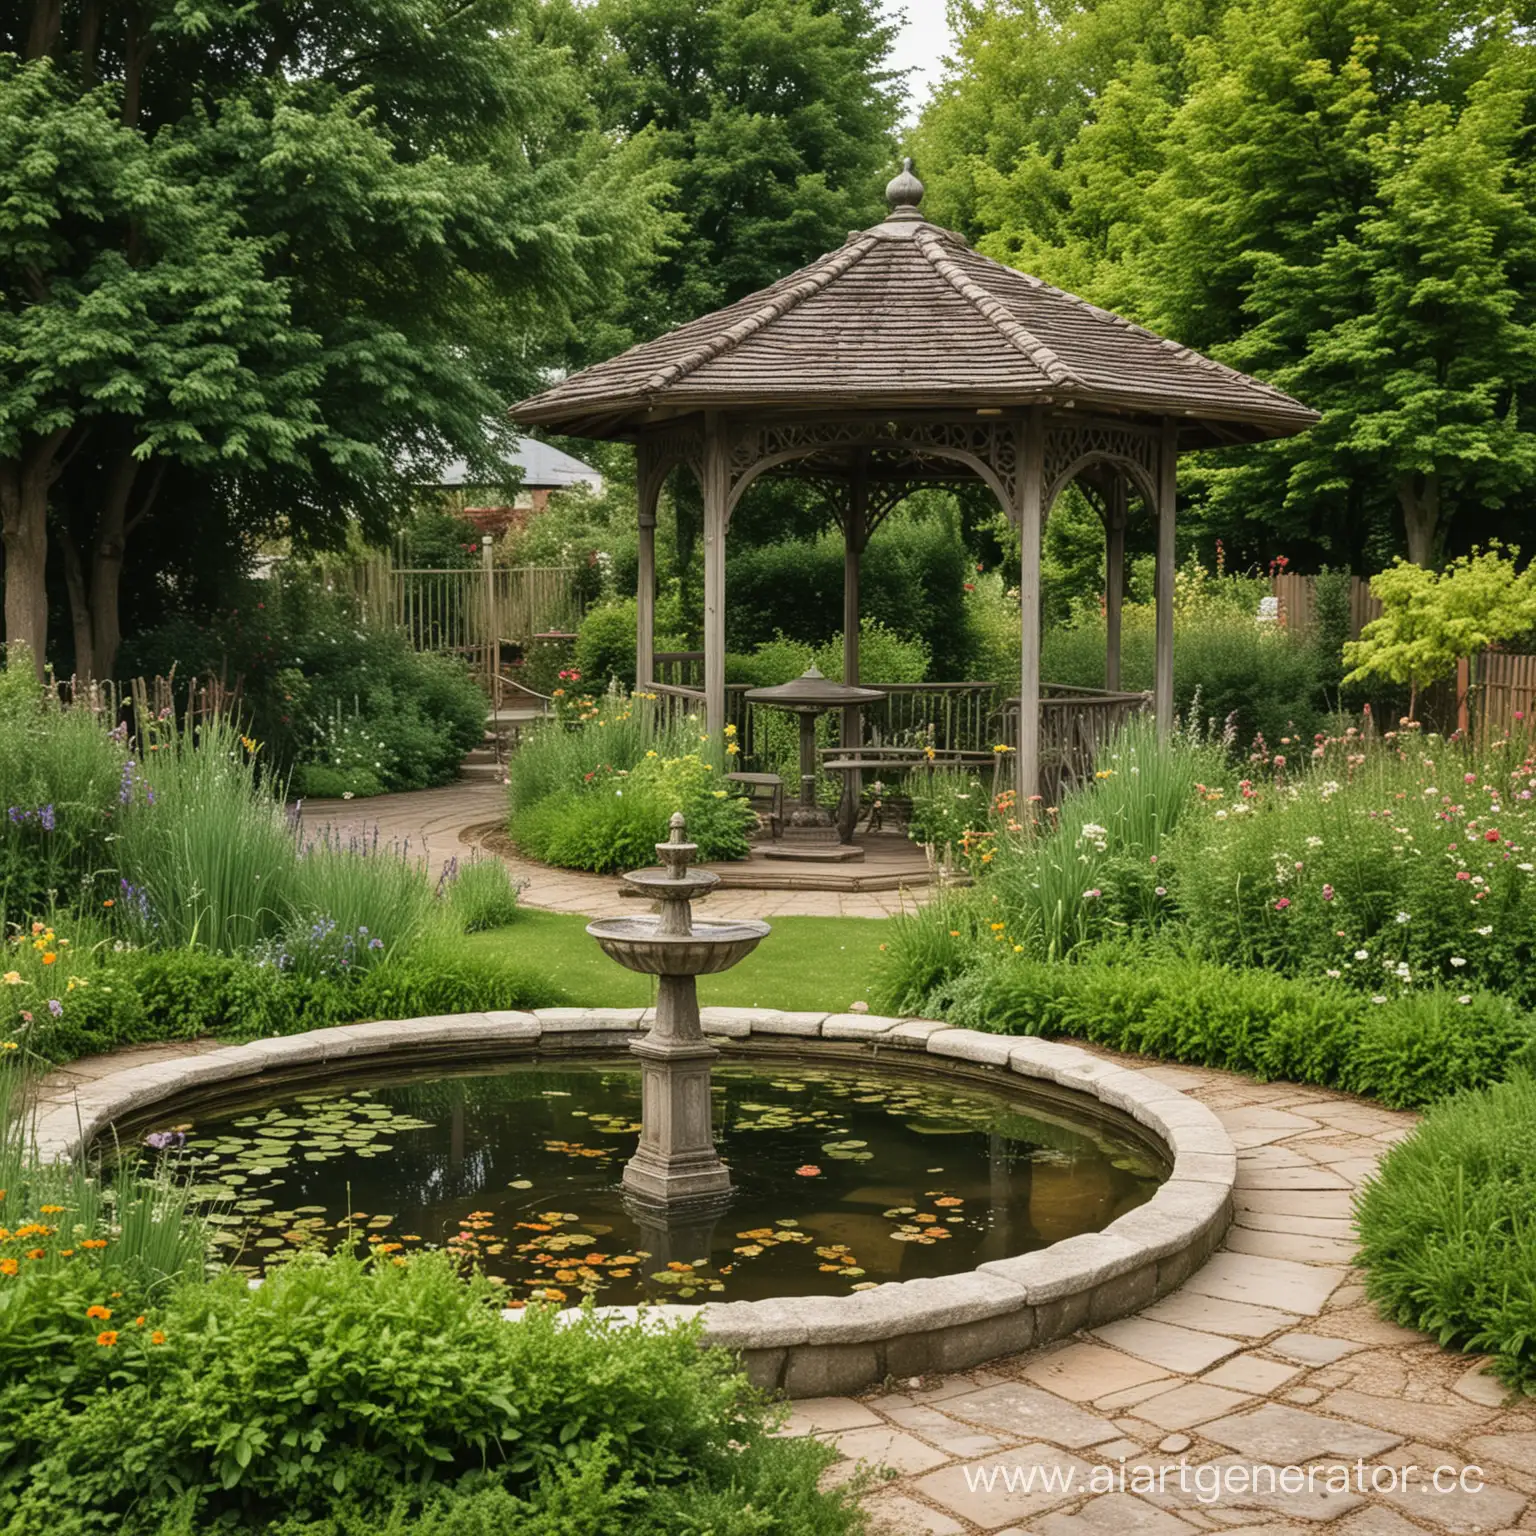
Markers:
(906, 358)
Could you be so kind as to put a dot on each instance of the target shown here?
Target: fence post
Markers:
(492, 639)
(1463, 689)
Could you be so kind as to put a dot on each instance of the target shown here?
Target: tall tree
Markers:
(1334, 194)
(290, 247)
(774, 122)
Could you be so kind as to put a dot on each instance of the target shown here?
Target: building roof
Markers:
(907, 316)
(543, 469)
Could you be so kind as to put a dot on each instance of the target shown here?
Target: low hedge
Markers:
(1410, 1050)
(181, 994)
(355, 1398)
(1448, 1227)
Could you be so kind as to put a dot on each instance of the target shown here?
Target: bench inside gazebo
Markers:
(901, 360)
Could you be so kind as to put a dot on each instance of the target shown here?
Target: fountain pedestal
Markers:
(676, 1159)
(676, 1163)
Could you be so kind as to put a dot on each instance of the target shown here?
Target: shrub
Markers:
(1405, 1052)
(1447, 1235)
(1260, 676)
(393, 1390)
(605, 644)
(319, 687)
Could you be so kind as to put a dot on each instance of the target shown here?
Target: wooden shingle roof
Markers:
(906, 316)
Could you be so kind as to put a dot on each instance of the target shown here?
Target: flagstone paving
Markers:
(438, 825)
(1269, 1356)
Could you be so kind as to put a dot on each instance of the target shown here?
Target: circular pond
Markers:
(846, 1176)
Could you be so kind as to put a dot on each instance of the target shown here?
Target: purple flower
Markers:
(46, 817)
(125, 788)
(55, 1007)
(17, 815)
(163, 1141)
(375, 943)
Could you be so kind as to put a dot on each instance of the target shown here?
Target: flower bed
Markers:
(596, 789)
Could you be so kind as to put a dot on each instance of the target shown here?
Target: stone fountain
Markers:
(676, 1163)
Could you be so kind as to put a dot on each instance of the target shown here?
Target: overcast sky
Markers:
(923, 43)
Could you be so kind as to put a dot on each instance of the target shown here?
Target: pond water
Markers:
(845, 1177)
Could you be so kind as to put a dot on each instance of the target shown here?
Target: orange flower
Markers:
(8, 1266)
(48, 959)
(157, 1337)
(50, 1210)
(138, 1322)
(107, 1339)
(94, 1242)
(103, 1313)
(36, 1253)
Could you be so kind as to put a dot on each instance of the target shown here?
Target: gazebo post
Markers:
(1114, 579)
(855, 536)
(645, 586)
(1167, 487)
(1029, 493)
(716, 489)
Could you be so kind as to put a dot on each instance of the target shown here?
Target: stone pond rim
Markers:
(807, 1346)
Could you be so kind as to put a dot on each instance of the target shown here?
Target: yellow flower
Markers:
(1002, 747)
(730, 730)
(1105, 773)
(49, 1210)
(998, 927)
(13, 978)
(732, 748)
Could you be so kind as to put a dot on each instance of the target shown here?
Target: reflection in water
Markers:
(844, 1178)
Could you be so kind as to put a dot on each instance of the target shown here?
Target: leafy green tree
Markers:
(1430, 620)
(1335, 196)
(269, 257)
(773, 120)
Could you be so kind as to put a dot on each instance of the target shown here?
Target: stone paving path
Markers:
(432, 823)
(1269, 1355)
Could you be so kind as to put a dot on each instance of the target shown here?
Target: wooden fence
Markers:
(1502, 694)
(1298, 603)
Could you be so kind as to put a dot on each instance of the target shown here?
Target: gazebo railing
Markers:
(1075, 724)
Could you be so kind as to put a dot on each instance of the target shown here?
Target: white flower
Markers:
(1402, 917)
(1362, 954)
(347, 795)
(1093, 829)
(1458, 961)
(1314, 842)
(1159, 890)
(1486, 931)
(1221, 815)
(1463, 998)
(1378, 998)
(1334, 974)
(1526, 867)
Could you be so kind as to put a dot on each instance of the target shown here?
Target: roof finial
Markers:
(904, 193)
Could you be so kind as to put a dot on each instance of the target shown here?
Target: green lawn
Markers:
(813, 963)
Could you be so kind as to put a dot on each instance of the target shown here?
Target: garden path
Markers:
(440, 824)
(1269, 1355)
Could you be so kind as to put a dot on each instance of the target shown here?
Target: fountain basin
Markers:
(663, 885)
(638, 945)
(805, 1346)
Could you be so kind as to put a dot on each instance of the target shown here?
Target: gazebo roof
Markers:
(906, 316)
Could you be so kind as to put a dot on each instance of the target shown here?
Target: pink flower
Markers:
(1491, 835)
(1469, 778)
(1092, 895)
(1461, 874)
(1327, 893)
(1282, 904)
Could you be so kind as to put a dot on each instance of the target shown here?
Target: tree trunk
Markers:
(24, 483)
(107, 553)
(1419, 496)
(79, 604)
